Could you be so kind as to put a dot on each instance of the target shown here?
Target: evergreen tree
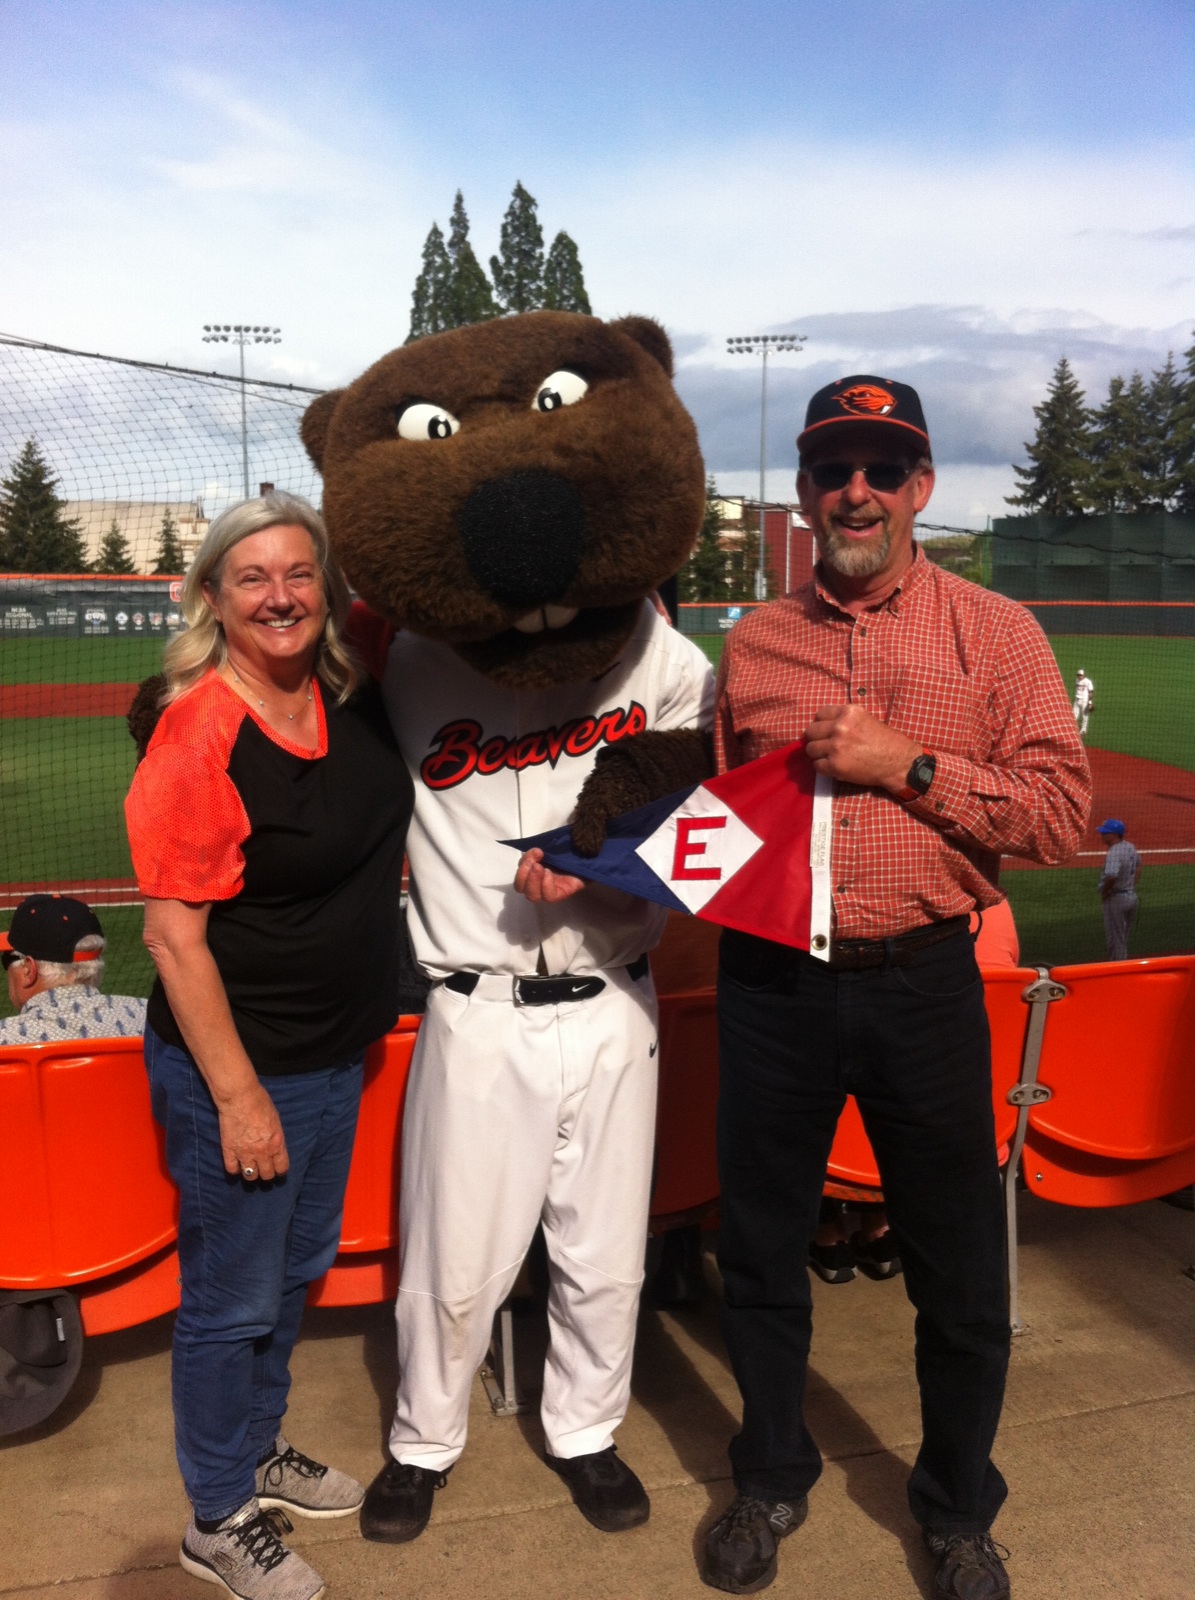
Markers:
(1184, 439)
(430, 309)
(518, 271)
(1165, 403)
(564, 282)
(34, 534)
(114, 558)
(470, 298)
(171, 560)
(743, 564)
(1124, 450)
(704, 575)
(1057, 484)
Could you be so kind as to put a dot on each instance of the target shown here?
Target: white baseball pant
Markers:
(516, 1114)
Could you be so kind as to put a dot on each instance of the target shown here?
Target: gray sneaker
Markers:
(291, 1481)
(246, 1557)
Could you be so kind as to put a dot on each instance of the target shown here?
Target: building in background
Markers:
(141, 523)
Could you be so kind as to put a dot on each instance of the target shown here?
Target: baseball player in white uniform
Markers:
(533, 1087)
(1084, 701)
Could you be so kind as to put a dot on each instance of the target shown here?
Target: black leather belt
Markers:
(555, 990)
(855, 954)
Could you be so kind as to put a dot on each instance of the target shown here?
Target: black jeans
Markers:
(911, 1044)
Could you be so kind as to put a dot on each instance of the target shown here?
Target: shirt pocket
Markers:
(946, 709)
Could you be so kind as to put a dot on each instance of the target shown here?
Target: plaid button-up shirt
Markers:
(966, 672)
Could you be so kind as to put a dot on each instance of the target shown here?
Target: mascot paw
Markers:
(144, 712)
(632, 774)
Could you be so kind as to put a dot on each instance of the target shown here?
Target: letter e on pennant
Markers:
(698, 848)
(687, 846)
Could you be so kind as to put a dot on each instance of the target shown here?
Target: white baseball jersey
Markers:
(1084, 689)
(491, 763)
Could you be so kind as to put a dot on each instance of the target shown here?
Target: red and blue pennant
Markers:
(749, 849)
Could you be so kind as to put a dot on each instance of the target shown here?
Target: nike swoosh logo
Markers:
(654, 1048)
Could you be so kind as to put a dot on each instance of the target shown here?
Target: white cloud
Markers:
(969, 275)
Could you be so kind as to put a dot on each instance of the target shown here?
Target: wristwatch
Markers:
(919, 777)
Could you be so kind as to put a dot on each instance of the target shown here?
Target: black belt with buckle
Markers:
(556, 990)
(855, 954)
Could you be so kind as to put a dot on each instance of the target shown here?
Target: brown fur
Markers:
(142, 716)
(628, 448)
(635, 772)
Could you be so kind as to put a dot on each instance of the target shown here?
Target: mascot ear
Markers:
(313, 429)
(648, 334)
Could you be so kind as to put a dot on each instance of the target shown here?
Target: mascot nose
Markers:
(524, 536)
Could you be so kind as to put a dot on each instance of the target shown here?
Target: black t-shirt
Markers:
(301, 855)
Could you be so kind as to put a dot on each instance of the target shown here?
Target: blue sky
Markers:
(948, 192)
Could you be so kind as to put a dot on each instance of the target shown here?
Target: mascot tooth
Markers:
(505, 498)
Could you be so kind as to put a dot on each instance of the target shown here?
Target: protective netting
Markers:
(134, 445)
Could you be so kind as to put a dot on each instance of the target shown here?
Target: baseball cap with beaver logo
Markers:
(864, 398)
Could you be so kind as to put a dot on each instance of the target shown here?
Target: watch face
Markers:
(921, 774)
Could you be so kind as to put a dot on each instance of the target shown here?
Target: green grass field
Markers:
(1059, 919)
(79, 660)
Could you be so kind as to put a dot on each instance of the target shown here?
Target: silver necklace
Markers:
(290, 715)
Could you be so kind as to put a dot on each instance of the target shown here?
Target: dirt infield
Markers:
(1155, 802)
(66, 699)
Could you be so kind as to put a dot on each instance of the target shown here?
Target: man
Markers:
(53, 955)
(938, 709)
(1118, 888)
(1084, 701)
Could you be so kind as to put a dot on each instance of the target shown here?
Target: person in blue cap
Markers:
(1118, 888)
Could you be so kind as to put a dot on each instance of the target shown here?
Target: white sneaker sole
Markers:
(200, 1569)
(318, 1513)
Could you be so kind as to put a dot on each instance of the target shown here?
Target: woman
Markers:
(267, 823)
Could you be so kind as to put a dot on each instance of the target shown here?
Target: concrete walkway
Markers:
(1096, 1443)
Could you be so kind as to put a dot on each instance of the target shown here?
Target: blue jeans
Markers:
(247, 1252)
(911, 1044)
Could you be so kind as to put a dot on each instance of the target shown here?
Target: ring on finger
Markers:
(248, 1172)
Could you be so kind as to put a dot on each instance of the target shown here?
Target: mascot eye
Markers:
(424, 421)
(563, 388)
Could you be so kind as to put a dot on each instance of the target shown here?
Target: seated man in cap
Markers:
(53, 956)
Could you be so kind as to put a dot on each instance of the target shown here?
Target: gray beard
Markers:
(854, 560)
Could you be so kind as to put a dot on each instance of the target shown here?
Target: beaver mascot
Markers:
(505, 498)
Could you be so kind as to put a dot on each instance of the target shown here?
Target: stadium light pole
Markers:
(241, 334)
(763, 344)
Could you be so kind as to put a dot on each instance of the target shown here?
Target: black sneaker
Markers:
(605, 1490)
(969, 1566)
(740, 1548)
(833, 1263)
(879, 1257)
(398, 1503)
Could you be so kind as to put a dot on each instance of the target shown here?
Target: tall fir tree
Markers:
(35, 535)
(704, 575)
(1184, 438)
(114, 557)
(170, 561)
(564, 282)
(518, 269)
(470, 298)
(1165, 404)
(431, 311)
(1057, 484)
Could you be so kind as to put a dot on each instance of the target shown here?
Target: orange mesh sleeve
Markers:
(186, 825)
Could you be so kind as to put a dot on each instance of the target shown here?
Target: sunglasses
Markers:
(886, 476)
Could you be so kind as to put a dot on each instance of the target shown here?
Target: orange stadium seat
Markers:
(84, 1189)
(1117, 1058)
(366, 1266)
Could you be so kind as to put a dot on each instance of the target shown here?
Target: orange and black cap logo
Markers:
(865, 398)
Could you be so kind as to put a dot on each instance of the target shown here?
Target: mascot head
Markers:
(514, 488)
